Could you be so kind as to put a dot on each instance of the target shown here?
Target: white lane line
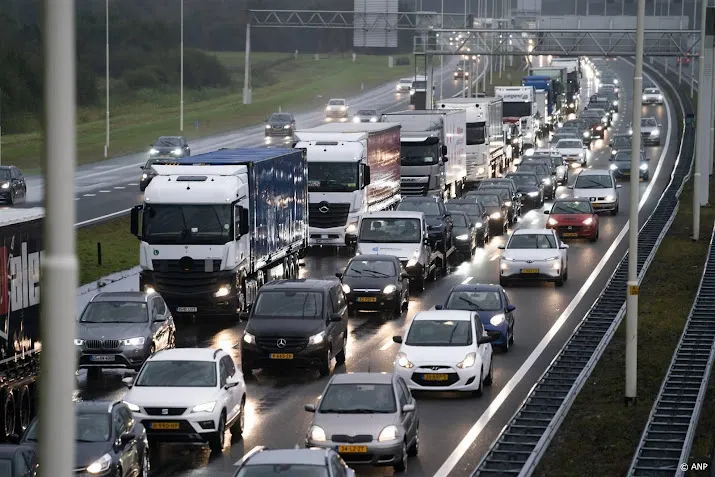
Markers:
(387, 344)
(467, 280)
(133, 184)
(89, 195)
(76, 198)
(105, 191)
(494, 406)
(103, 217)
(120, 187)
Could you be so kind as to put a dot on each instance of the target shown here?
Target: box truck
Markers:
(520, 108)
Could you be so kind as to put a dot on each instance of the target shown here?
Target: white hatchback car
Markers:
(652, 96)
(446, 350)
(189, 395)
(599, 187)
(534, 254)
(573, 151)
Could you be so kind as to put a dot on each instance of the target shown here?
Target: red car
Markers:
(573, 218)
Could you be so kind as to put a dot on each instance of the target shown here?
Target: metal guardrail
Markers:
(526, 437)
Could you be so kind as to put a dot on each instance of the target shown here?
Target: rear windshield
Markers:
(288, 304)
(524, 179)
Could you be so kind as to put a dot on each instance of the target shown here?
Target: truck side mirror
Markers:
(366, 175)
(243, 225)
(444, 150)
(134, 221)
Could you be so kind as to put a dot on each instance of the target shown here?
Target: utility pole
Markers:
(632, 296)
(181, 114)
(0, 126)
(106, 60)
(56, 440)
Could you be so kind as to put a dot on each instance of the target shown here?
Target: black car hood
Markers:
(461, 230)
(625, 165)
(492, 208)
(298, 327)
(527, 188)
(369, 282)
(166, 149)
(434, 221)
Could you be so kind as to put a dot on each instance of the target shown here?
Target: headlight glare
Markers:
(551, 221)
(134, 341)
(390, 433)
(533, 194)
(224, 290)
(100, 465)
(389, 289)
(403, 361)
(610, 197)
(249, 338)
(78, 342)
(317, 434)
(205, 407)
(613, 167)
(132, 407)
(497, 320)
(412, 262)
(346, 289)
(462, 237)
(495, 215)
(644, 167)
(153, 151)
(176, 152)
(317, 339)
(588, 221)
(468, 361)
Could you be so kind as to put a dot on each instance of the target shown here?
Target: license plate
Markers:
(529, 270)
(281, 355)
(435, 377)
(570, 234)
(367, 299)
(322, 240)
(103, 358)
(165, 425)
(595, 204)
(186, 309)
(352, 449)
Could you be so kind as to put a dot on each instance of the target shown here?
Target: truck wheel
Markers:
(24, 410)
(8, 415)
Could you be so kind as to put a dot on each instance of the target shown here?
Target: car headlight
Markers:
(560, 125)
(412, 92)
(615, 103)
(644, 167)
(462, 237)
(390, 433)
(660, 97)
(268, 126)
(149, 290)
(132, 407)
(403, 361)
(586, 134)
(615, 81)
(588, 221)
(153, 151)
(346, 289)
(176, 152)
(479, 225)
(205, 407)
(495, 215)
(343, 108)
(497, 320)
(610, 197)
(351, 228)
(613, 152)
(144, 176)
(580, 154)
(100, 465)
(654, 133)
(134, 341)
(547, 181)
(373, 120)
(317, 339)
(533, 194)
(287, 126)
(507, 203)
(356, 119)
(468, 361)
(645, 97)
(613, 167)
(78, 342)
(317, 434)
(223, 290)
(630, 131)
(328, 109)
(411, 262)
(552, 221)
(249, 338)
(599, 128)
(389, 289)
(572, 105)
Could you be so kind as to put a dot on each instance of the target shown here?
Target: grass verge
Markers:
(120, 249)
(279, 80)
(600, 435)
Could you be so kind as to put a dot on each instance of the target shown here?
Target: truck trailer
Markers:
(519, 107)
(21, 252)
(353, 168)
(432, 155)
(558, 76)
(545, 100)
(215, 227)
(573, 81)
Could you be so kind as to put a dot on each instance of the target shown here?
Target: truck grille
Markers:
(174, 266)
(292, 345)
(414, 189)
(170, 411)
(189, 285)
(324, 215)
(101, 344)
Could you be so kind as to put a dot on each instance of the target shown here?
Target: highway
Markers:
(462, 427)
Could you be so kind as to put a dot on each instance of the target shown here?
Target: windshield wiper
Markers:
(376, 273)
(471, 303)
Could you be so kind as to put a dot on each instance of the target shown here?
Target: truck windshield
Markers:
(389, 230)
(332, 176)
(516, 110)
(417, 154)
(187, 224)
(475, 133)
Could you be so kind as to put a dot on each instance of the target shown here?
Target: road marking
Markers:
(466, 280)
(89, 195)
(133, 184)
(76, 198)
(104, 191)
(494, 406)
(387, 344)
(120, 187)
(103, 217)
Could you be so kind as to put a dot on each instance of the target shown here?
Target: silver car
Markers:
(366, 116)
(650, 132)
(652, 96)
(369, 418)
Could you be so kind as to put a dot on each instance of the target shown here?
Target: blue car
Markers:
(492, 304)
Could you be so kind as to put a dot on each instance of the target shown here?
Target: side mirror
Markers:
(231, 382)
(366, 175)
(491, 337)
(563, 245)
(404, 275)
(339, 275)
(127, 437)
(619, 186)
(510, 308)
(547, 212)
(336, 317)
(141, 167)
(134, 220)
(502, 247)
(309, 407)
(397, 339)
(444, 151)
(408, 408)
(128, 381)
(243, 221)
(438, 307)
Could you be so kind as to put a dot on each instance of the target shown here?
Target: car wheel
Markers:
(560, 281)
(479, 391)
(511, 336)
(146, 467)
(240, 424)
(507, 342)
(247, 371)
(340, 357)
(324, 369)
(217, 440)
(595, 236)
(503, 282)
(172, 340)
(415, 447)
(401, 466)
(11, 198)
(489, 378)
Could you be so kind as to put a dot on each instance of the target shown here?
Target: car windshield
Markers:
(283, 470)
(460, 220)
(5, 174)
(333, 176)
(570, 144)
(439, 333)
(428, 207)
(623, 156)
(390, 230)
(649, 122)
(487, 200)
(367, 112)
(472, 209)
(524, 179)
(89, 427)
(652, 91)
(531, 241)
(178, 374)
(371, 268)
(494, 183)
(280, 117)
(474, 301)
(621, 141)
(336, 102)
(288, 304)
(538, 169)
(179, 224)
(595, 181)
(571, 207)
(358, 399)
(168, 142)
(115, 312)
(503, 192)
(406, 81)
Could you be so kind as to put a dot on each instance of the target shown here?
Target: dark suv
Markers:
(439, 222)
(303, 323)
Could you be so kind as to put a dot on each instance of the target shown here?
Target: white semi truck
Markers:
(353, 168)
(485, 136)
(433, 159)
(520, 105)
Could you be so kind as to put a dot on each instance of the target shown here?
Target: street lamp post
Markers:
(181, 100)
(632, 283)
(106, 60)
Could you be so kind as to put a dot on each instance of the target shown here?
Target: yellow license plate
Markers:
(353, 449)
(436, 377)
(595, 204)
(165, 425)
(281, 355)
(529, 270)
(367, 299)
(570, 234)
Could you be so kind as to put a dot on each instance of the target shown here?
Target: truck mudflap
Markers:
(441, 262)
